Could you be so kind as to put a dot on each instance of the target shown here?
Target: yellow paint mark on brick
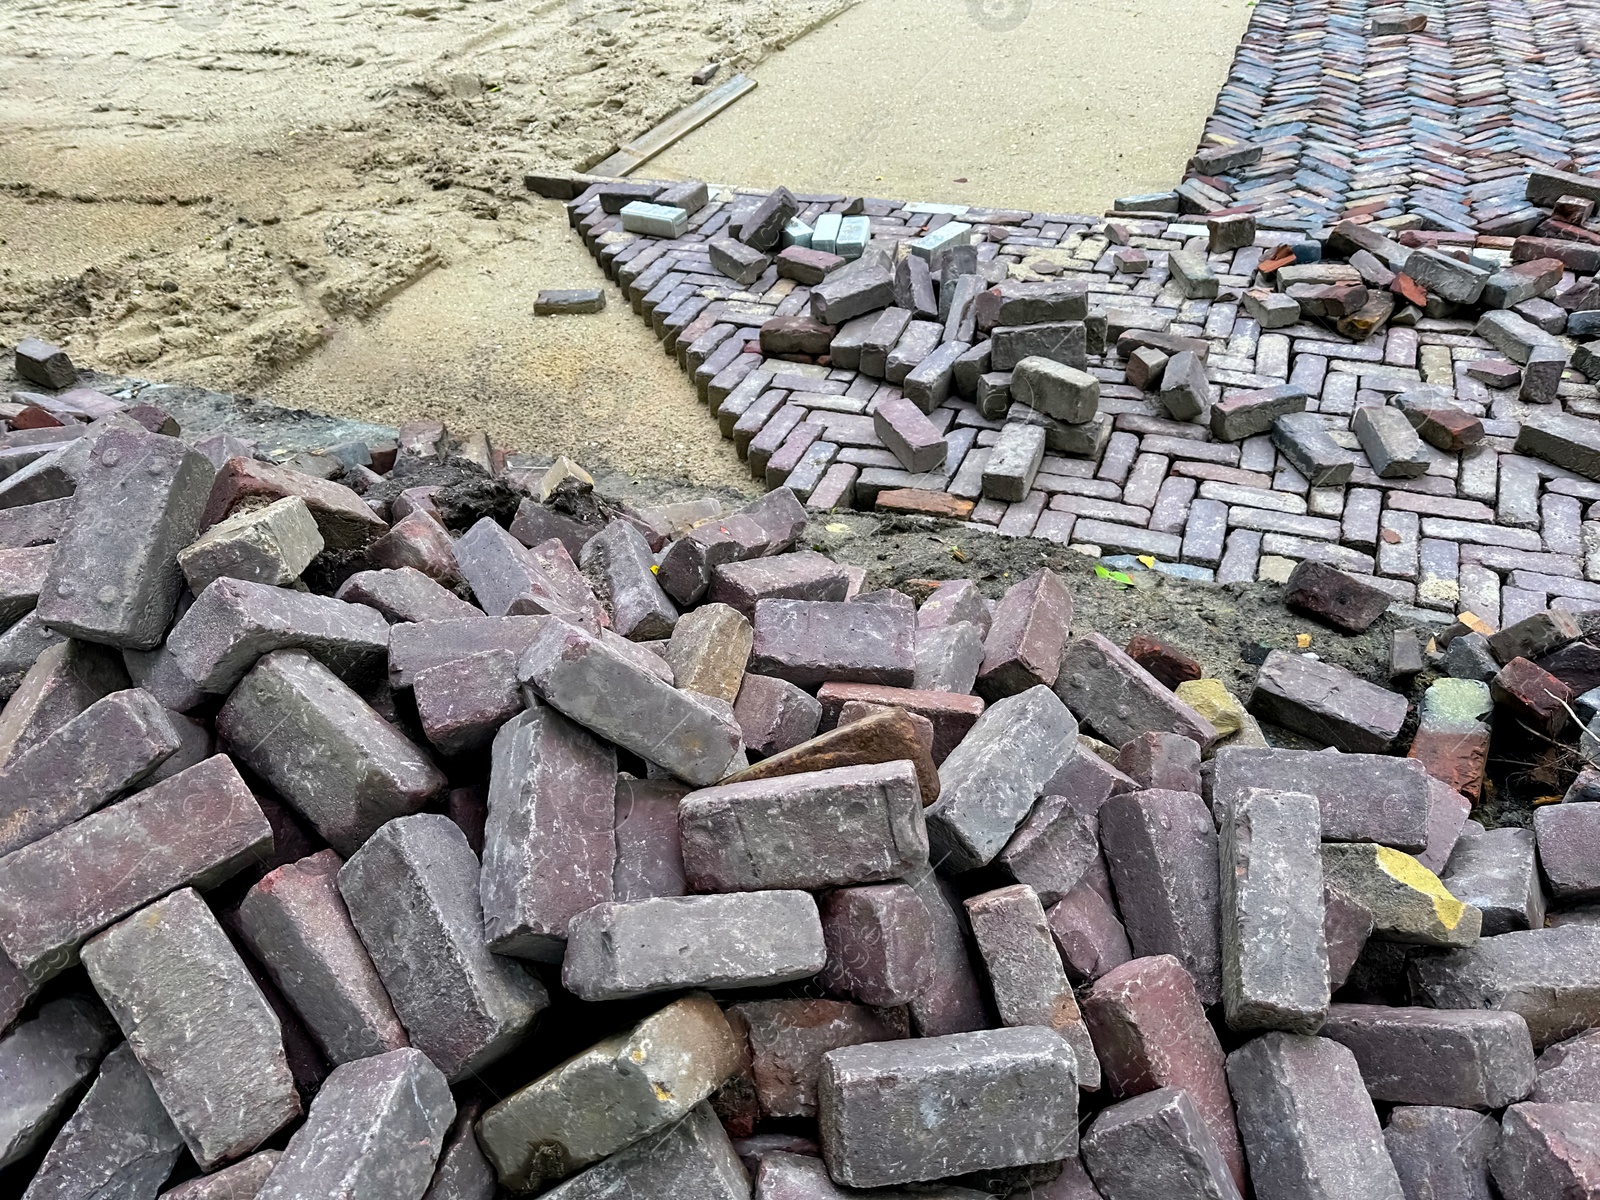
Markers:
(1406, 870)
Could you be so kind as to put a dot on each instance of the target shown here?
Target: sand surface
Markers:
(1048, 105)
(321, 201)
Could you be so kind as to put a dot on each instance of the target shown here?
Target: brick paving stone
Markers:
(1161, 848)
(1480, 1060)
(292, 721)
(665, 944)
(461, 1005)
(1569, 851)
(1027, 637)
(1150, 1032)
(691, 1158)
(1120, 698)
(47, 1059)
(1496, 872)
(1274, 952)
(623, 1088)
(1327, 702)
(1441, 1152)
(1547, 1150)
(1567, 1071)
(861, 824)
(1307, 1122)
(1343, 601)
(990, 781)
(902, 1111)
(878, 939)
(198, 1025)
(1026, 977)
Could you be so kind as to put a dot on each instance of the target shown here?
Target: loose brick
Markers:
(857, 824)
(1441, 1152)
(1027, 637)
(1532, 696)
(1497, 872)
(990, 781)
(1308, 1124)
(1166, 662)
(461, 1005)
(1569, 850)
(1303, 440)
(1547, 1150)
(112, 745)
(1407, 901)
(1326, 702)
(774, 714)
(1452, 738)
(766, 526)
(884, 736)
(234, 622)
(1119, 699)
(195, 829)
(800, 575)
(549, 843)
(897, 1112)
(620, 560)
(606, 1098)
(745, 940)
(45, 1062)
(1026, 978)
(115, 577)
(788, 1039)
(343, 518)
(323, 748)
(1252, 413)
(198, 1025)
(463, 702)
(692, 1158)
(878, 939)
(811, 643)
(1568, 1071)
(1161, 848)
(649, 853)
(948, 657)
(953, 1001)
(1053, 849)
(1549, 976)
(590, 683)
(1424, 1055)
(1343, 601)
(708, 652)
(508, 579)
(1151, 1032)
(1165, 761)
(1274, 950)
(1184, 387)
(1088, 933)
(1152, 1143)
(119, 1141)
(397, 1100)
(270, 545)
(1055, 389)
(404, 594)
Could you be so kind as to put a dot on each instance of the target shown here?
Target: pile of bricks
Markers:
(600, 851)
(1224, 396)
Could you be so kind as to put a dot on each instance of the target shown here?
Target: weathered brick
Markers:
(897, 1112)
(1151, 1032)
(748, 939)
(1309, 1127)
(195, 829)
(323, 748)
(799, 575)
(1054, 847)
(774, 714)
(788, 1038)
(1407, 901)
(1055, 389)
(879, 938)
(1120, 699)
(1161, 848)
(549, 843)
(1156, 1143)
(590, 683)
(854, 824)
(1026, 978)
(1344, 601)
(404, 594)
(1274, 949)
(234, 622)
(1497, 873)
(1452, 738)
(1327, 702)
(1424, 1055)
(649, 853)
(270, 545)
(1165, 761)
(112, 745)
(1569, 850)
(198, 1025)
(611, 1095)
(948, 657)
(1166, 662)
(461, 1005)
(509, 579)
(990, 781)
(114, 577)
(1184, 387)
(814, 642)
(398, 1101)
(463, 702)
(1302, 438)
(708, 651)
(1532, 696)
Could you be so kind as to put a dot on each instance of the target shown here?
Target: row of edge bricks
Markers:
(599, 850)
(1227, 397)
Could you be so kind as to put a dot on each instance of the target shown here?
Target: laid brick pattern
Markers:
(1442, 123)
(1487, 529)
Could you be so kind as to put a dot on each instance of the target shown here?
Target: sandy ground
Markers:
(320, 201)
(1050, 105)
